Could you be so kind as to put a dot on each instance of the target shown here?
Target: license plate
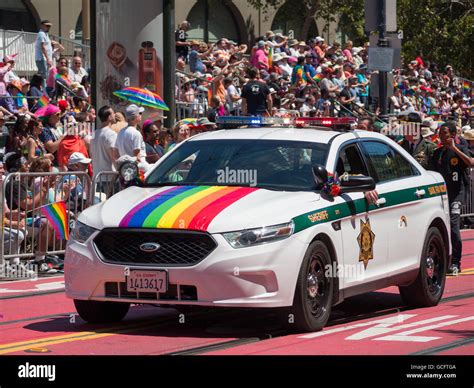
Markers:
(147, 281)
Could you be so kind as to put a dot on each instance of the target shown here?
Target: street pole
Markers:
(169, 60)
(382, 43)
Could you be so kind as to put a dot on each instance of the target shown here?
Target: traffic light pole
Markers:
(382, 43)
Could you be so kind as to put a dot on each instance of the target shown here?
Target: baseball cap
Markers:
(9, 58)
(46, 23)
(78, 157)
(204, 121)
(133, 111)
(319, 39)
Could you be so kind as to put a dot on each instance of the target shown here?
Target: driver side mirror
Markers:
(348, 183)
(320, 175)
(356, 183)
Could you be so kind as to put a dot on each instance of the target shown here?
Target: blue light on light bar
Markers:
(239, 120)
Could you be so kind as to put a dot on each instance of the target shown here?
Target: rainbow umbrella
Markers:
(143, 97)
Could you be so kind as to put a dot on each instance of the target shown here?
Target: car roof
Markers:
(316, 135)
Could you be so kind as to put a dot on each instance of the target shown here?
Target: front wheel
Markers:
(314, 290)
(101, 312)
(427, 289)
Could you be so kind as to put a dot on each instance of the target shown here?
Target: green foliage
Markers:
(442, 29)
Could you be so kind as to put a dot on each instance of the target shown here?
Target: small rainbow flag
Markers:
(64, 79)
(466, 86)
(318, 77)
(44, 100)
(56, 214)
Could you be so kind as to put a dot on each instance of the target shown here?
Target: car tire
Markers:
(101, 312)
(314, 292)
(427, 289)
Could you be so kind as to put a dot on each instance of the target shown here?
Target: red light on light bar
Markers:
(325, 121)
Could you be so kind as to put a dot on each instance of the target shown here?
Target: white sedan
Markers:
(252, 218)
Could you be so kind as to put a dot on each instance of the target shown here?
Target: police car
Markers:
(265, 217)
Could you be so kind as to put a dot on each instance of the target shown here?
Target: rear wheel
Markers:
(427, 289)
(313, 295)
(101, 312)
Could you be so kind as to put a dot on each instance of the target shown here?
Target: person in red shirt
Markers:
(419, 59)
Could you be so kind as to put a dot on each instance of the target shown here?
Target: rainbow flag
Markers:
(56, 214)
(44, 100)
(184, 207)
(63, 79)
(466, 86)
(318, 77)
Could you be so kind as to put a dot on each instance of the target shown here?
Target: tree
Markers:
(442, 29)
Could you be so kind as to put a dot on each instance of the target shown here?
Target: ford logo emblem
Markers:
(150, 247)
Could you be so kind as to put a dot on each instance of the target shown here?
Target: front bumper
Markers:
(259, 276)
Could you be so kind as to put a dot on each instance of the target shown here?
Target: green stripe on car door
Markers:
(352, 208)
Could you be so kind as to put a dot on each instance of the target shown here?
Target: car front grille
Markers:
(177, 248)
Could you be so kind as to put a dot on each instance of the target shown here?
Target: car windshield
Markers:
(269, 164)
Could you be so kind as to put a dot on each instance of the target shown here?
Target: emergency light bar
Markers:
(258, 121)
(325, 121)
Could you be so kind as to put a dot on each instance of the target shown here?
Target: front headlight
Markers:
(82, 232)
(250, 237)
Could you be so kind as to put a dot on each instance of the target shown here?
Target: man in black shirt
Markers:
(256, 96)
(181, 36)
(452, 161)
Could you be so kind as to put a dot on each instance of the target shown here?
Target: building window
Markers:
(15, 15)
(214, 19)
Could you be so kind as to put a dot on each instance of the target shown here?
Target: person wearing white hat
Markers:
(424, 147)
(78, 162)
(129, 140)
(468, 135)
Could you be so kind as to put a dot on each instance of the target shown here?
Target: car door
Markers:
(364, 232)
(400, 186)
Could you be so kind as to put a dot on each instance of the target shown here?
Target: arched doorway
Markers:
(214, 20)
(18, 16)
(289, 18)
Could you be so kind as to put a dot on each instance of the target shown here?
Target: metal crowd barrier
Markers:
(22, 42)
(27, 233)
(467, 210)
(105, 185)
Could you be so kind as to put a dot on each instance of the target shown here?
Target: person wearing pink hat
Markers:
(4, 70)
(10, 75)
(51, 135)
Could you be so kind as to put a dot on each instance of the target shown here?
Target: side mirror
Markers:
(356, 183)
(320, 175)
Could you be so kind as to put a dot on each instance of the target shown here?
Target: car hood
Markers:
(213, 209)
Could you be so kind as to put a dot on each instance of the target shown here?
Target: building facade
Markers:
(210, 19)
